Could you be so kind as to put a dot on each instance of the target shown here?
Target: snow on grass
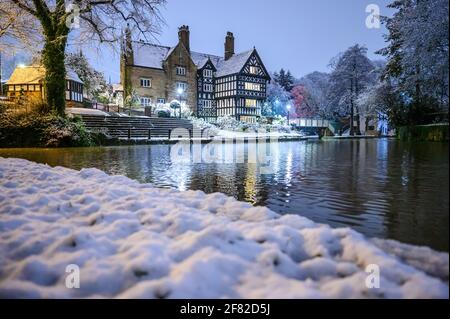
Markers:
(133, 240)
(234, 134)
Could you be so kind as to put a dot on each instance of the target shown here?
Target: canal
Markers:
(380, 187)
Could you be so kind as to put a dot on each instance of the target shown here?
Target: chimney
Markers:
(183, 36)
(229, 45)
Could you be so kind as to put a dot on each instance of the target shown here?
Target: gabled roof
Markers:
(234, 64)
(153, 56)
(35, 74)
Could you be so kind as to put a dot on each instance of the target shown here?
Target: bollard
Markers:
(149, 134)
(129, 134)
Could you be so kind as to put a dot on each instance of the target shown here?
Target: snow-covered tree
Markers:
(418, 49)
(86, 20)
(277, 100)
(303, 102)
(352, 73)
(94, 81)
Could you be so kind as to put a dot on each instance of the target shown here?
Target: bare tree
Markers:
(102, 20)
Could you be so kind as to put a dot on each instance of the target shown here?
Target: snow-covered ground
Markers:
(232, 134)
(83, 111)
(133, 240)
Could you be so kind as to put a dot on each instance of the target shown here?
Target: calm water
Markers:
(382, 188)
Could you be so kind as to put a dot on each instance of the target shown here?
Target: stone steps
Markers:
(135, 127)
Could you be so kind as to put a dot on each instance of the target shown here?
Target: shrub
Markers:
(39, 129)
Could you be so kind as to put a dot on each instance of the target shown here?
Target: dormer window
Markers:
(207, 73)
(181, 70)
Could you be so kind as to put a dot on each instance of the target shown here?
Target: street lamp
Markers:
(180, 92)
(289, 112)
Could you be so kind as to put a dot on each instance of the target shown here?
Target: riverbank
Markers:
(133, 240)
(424, 133)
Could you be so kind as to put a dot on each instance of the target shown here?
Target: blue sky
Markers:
(299, 35)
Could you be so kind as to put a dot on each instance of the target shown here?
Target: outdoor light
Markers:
(21, 65)
(180, 91)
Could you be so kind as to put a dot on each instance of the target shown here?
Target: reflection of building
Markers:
(28, 81)
(212, 86)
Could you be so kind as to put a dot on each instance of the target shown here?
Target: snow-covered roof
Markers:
(117, 87)
(200, 59)
(233, 65)
(153, 56)
(34, 74)
(149, 55)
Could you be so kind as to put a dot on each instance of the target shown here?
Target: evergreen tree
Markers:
(285, 79)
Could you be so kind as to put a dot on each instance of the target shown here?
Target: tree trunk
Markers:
(352, 119)
(53, 57)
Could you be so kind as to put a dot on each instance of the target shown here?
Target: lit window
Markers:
(254, 70)
(208, 88)
(250, 103)
(161, 101)
(252, 86)
(181, 70)
(146, 83)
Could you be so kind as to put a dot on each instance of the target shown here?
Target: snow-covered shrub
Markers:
(163, 110)
(204, 125)
(279, 120)
(186, 111)
(228, 123)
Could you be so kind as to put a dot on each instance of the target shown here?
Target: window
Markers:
(254, 70)
(146, 101)
(182, 85)
(250, 103)
(208, 88)
(146, 83)
(207, 103)
(161, 101)
(181, 70)
(207, 73)
(252, 86)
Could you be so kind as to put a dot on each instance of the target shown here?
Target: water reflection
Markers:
(381, 188)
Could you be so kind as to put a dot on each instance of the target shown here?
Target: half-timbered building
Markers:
(212, 86)
(28, 82)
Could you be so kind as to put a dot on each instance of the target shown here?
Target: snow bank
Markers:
(133, 240)
(83, 111)
(233, 134)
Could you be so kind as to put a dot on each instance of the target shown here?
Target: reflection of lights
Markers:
(289, 160)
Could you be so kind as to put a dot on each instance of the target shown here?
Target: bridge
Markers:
(319, 124)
